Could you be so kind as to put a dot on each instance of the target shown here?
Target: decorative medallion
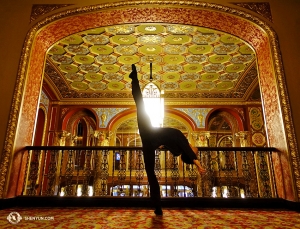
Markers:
(188, 85)
(168, 86)
(79, 86)
(190, 76)
(172, 68)
(96, 39)
(126, 49)
(214, 68)
(219, 59)
(150, 29)
(258, 139)
(61, 59)
(210, 76)
(101, 49)
(225, 85)
(155, 77)
(93, 77)
(206, 85)
(229, 77)
(192, 68)
(200, 49)
(246, 50)
(242, 59)
(72, 40)
(115, 86)
(67, 68)
(173, 59)
(177, 39)
(123, 39)
(235, 68)
(256, 119)
(229, 39)
(129, 60)
(171, 76)
(225, 49)
(77, 49)
(121, 29)
(128, 68)
(74, 77)
(113, 77)
(97, 86)
(196, 59)
(110, 68)
(180, 29)
(58, 50)
(150, 40)
(106, 59)
(83, 59)
(203, 39)
(89, 68)
(175, 49)
(151, 58)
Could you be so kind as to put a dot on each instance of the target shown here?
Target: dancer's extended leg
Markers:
(149, 159)
(146, 133)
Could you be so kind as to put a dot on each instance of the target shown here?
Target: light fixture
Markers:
(154, 102)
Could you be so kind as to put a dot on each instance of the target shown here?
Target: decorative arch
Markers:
(238, 125)
(39, 133)
(80, 112)
(253, 30)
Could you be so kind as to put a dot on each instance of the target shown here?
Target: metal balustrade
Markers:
(239, 172)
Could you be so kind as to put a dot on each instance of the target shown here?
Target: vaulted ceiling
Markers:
(189, 62)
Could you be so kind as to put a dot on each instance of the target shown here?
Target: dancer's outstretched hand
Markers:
(133, 74)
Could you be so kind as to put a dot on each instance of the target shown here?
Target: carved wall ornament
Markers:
(106, 114)
(262, 8)
(197, 114)
(61, 137)
(243, 136)
(44, 100)
(39, 10)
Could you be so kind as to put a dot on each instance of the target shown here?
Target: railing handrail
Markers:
(234, 171)
(269, 149)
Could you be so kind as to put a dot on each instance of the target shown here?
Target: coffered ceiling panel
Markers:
(187, 61)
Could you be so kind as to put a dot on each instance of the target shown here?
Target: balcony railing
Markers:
(237, 172)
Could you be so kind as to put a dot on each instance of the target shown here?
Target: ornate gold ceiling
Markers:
(188, 62)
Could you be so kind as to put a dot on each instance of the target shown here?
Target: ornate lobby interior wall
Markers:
(15, 21)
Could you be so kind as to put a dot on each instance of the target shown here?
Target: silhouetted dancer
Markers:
(153, 138)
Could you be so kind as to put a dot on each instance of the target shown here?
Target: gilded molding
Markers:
(274, 43)
(45, 110)
(39, 10)
(131, 103)
(262, 8)
(6, 159)
(66, 93)
(293, 151)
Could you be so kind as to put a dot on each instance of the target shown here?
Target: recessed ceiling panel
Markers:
(184, 58)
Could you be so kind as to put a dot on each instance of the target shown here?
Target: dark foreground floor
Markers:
(120, 217)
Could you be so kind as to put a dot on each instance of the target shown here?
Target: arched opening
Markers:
(40, 125)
